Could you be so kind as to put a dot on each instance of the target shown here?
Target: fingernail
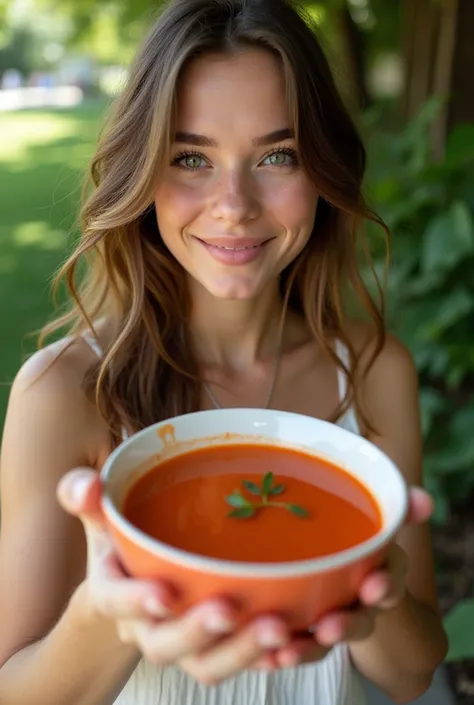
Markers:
(218, 623)
(79, 489)
(272, 635)
(381, 595)
(155, 607)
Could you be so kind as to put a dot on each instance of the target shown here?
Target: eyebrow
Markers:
(203, 141)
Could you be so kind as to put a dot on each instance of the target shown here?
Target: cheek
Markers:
(176, 206)
(293, 204)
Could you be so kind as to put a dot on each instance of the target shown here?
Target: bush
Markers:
(429, 208)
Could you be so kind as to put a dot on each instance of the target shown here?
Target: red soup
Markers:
(252, 503)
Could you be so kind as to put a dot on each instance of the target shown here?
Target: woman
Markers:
(220, 246)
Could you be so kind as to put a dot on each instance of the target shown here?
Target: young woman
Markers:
(220, 249)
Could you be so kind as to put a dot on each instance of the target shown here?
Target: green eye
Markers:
(282, 158)
(193, 162)
(190, 161)
(278, 158)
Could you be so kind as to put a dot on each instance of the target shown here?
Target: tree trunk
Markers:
(462, 85)
(352, 40)
(421, 24)
(439, 53)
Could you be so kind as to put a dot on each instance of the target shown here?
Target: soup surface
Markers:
(184, 502)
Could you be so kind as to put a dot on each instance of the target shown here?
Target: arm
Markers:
(80, 662)
(51, 650)
(408, 643)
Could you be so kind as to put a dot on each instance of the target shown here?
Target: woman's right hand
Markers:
(204, 641)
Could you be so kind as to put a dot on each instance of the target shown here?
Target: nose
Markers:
(235, 199)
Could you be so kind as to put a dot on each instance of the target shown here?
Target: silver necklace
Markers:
(216, 404)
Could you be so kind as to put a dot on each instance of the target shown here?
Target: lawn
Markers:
(43, 157)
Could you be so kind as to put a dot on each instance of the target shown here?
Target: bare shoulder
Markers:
(393, 363)
(49, 389)
(389, 395)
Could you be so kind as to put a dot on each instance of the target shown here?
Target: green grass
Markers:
(43, 157)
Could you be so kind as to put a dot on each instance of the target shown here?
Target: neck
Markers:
(236, 334)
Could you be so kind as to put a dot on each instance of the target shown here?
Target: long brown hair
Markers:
(148, 371)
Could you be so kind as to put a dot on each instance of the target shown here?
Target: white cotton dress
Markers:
(332, 681)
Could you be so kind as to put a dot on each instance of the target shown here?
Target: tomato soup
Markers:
(212, 502)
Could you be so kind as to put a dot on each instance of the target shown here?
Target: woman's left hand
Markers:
(382, 590)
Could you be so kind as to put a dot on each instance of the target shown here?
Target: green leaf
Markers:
(459, 147)
(459, 625)
(243, 513)
(267, 483)
(237, 500)
(251, 487)
(278, 489)
(457, 453)
(448, 239)
(432, 403)
(297, 511)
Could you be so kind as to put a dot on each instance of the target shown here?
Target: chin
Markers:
(233, 291)
(233, 295)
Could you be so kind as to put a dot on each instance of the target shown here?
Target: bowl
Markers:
(301, 591)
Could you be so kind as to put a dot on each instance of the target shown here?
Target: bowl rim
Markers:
(241, 569)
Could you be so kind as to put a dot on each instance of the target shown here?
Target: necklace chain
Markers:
(271, 391)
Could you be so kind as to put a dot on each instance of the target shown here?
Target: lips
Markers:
(235, 251)
(234, 243)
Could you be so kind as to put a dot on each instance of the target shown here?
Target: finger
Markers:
(192, 633)
(127, 598)
(384, 589)
(354, 625)
(300, 651)
(420, 507)
(79, 493)
(110, 591)
(238, 652)
(268, 662)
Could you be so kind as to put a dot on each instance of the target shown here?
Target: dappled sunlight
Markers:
(317, 12)
(27, 130)
(39, 233)
(43, 156)
(70, 156)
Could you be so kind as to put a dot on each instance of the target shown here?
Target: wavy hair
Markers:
(132, 282)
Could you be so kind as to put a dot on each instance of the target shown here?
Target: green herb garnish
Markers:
(245, 508)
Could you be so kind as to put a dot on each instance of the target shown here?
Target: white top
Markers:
(332, 681)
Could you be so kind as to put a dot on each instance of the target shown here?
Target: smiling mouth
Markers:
(235, 249)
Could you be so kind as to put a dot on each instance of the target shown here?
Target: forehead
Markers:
(233, 93)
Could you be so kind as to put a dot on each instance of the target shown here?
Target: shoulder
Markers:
(392, 363)
(389, 397)
(65, 358)
(49, 390)
(387, 384)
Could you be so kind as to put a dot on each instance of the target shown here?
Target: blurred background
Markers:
(404, 67)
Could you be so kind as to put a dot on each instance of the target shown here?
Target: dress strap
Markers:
(343, 354)
(96, 347)
(349, 419)
(94, 344)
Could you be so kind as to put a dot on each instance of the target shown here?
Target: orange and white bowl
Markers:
(301, 591)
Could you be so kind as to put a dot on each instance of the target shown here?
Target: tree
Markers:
(438, 52)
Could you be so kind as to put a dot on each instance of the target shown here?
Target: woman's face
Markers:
(234, 207)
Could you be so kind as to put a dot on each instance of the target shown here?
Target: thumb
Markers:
(421, 506)
(79, 493)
